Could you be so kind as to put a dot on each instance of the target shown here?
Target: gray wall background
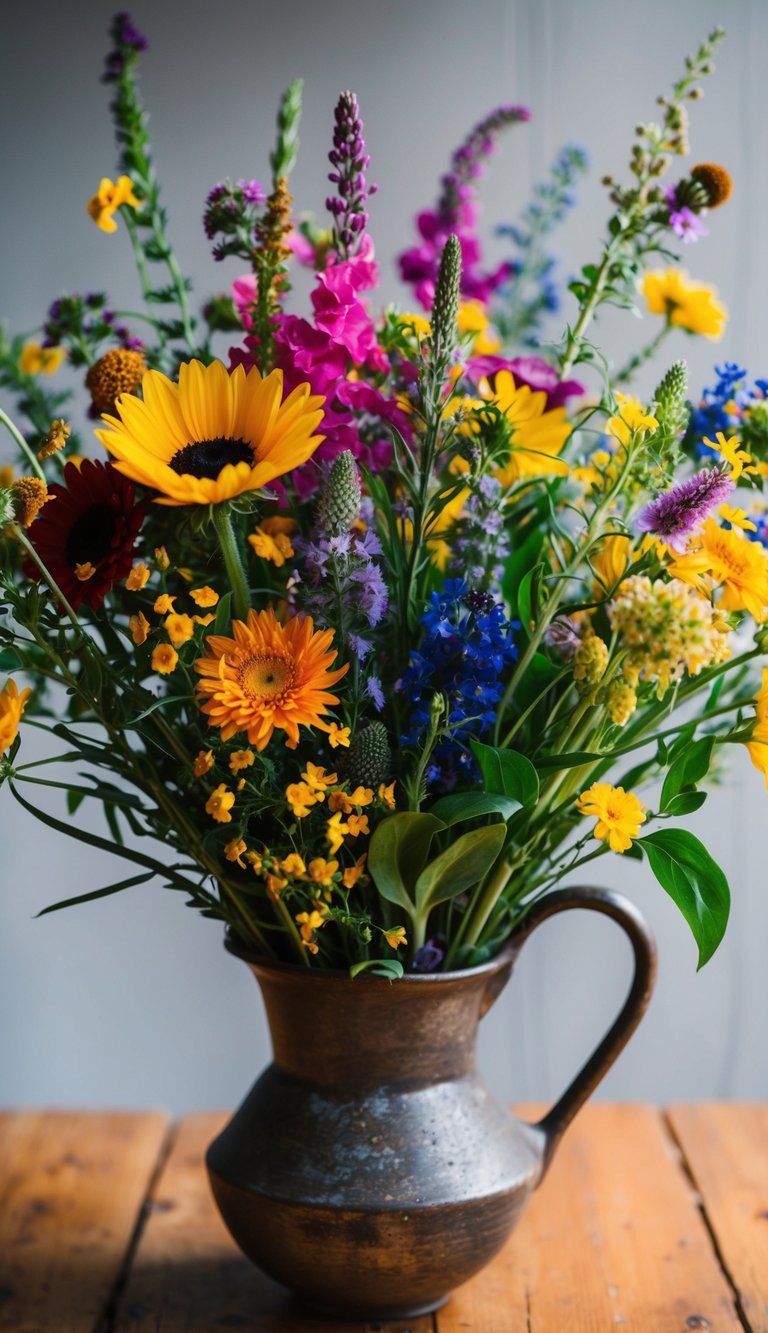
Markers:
(132, 1001)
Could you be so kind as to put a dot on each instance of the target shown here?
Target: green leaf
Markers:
(576, 759)
(686, 802)
(158, 703)
(691, 765)
(538, 676)
(223, 622)
(471, 804)
(517, 566)
(526, 597)
(380, 967)
(461, 866)
(96, 893)
(398, 853)
(687, 872)
(10, 659)
(507, 773)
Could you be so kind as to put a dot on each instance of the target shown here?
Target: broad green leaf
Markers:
(517, 566)
(10, 660)
(686, 802)
(685, 869)
(380, 967)
(461, 866)
(471, 804)
(97, 893)
(689, 767)
(223, 622)
(398, 853)
(526, 593)
(681, 742)
(507, 772)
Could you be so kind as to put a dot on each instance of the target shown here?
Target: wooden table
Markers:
(649, 1222)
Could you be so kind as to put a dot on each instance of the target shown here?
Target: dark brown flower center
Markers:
(206, 458)
(90, 536)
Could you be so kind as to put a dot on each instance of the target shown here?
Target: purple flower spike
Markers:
(674, 515)
(128, 41)
(350, 162)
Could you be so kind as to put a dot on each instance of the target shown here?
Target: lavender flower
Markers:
(128, 41)
(349, 161)
(231, 212)
(429, 957)
(674, 515)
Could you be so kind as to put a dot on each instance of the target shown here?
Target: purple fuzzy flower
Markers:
(674, 515)
(375, 692)
(686, 225)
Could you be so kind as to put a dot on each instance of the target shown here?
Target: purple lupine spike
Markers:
(127, 39)
(350, 162)
(466, 163)
(675, 514)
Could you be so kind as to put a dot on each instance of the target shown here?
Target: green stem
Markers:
(222, 521)
(25, 449)
(23, 540)
(634, 363)
(486, 900)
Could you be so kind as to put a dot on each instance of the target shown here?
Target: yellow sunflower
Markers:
(268, 676)
(214, 435)
(688, 305)
(538, 435)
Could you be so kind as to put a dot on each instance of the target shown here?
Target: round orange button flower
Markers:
(214, 435)
(267, 677)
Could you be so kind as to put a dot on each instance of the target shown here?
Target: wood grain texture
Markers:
(725, 1147)
(71, 1191)
(612, 1240)
(188, 1274)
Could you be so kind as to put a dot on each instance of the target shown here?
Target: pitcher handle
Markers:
(624, 912)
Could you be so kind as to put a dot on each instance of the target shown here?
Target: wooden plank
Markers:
(725, 1147)
(612, 1240)
(71, 1190)
(188, 1274)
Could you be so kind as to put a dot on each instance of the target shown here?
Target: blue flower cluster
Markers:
(723, 406)
(467, 644)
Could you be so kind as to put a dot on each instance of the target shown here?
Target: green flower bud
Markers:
(339, 504)
(446, 304)
(368, 760)
(671, 400)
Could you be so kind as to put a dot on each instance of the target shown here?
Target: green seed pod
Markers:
(339, 503)
(368, 761)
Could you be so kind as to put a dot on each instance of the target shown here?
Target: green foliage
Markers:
(508, 773)
(694, 881)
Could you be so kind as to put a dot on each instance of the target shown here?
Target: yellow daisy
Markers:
(214, 435)
(687, 305)
(619, 814)
(539, 435)
(740, 566)
(268, 676)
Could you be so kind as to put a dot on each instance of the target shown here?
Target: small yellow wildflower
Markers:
(137, 578)
(387, 795)
(276, 549)
(179, 628)
(338, 736)
(619, 814)
(204, 596)
(164, 604)
(37, 360)
(110, 196)
(85, 572)
(204, 620)
(256, 860)
(162, 559)
(164, 659)
(203, 763)
(301, 798)
(319, 781)
(739, 461)
(353, 873)
(275, 884)
(737, 518)
(687, 305)
(395, 937)
(219, 804)
(241, 759)
(279, 523)
(12, 705)
(234, 851)
(308, 923)
(293, 865)
(589, 663)
(357, 824)
(139, 627)
(631, 419)
(29, 496)
(415, 324)
(322, 871)
(335, 831)
(55, 439)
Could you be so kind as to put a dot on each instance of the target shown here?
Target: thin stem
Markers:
(25, 449)
(634, 363)
(222, 521)
(23, 540)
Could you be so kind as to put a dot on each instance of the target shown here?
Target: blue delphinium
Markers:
(468, 643)
(724, 406)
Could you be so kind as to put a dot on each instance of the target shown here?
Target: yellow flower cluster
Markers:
(589, 663)
(631, 419)
(667, 629)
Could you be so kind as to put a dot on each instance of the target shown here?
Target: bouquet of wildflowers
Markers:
(369, 626)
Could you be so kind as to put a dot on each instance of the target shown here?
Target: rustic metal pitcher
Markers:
(369, 1169)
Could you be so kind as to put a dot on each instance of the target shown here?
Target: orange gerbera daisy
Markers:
(268, 676)
(214, 435)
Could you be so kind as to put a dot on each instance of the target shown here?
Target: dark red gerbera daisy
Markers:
(86, 534)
